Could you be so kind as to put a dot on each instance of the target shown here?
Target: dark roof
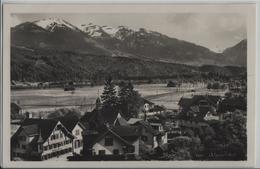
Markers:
(146, 125)
(15, 108)
(109, 116)
(93, 120)
(127, 130)
(185, 102)
(110, 131)
(98, 119)
(154, 120)
(46, 126)
(196, 99)
(120, 121)
(69, 122)
(157, 108)
(42, 127)
(211, 99)
(147, 101)
(30, 130)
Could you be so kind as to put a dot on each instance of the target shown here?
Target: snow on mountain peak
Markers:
(109, 30)
(98, 31)
(51, 23)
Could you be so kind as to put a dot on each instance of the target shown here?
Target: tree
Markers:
(129, 100)
(109, 97)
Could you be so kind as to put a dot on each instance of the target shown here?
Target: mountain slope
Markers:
(55, 50)
(51, 65)
(120, 42)
(146, 44)
(237, 53)
(53, 24)
(46, 65)
(54, 36)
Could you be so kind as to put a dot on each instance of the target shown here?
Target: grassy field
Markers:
(35, 100)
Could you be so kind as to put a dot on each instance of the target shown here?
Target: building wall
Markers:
(100, 145)
(150, 138)
(58, 146)
(20, 149)
(136, 144)
(78, 141)
(159, 127)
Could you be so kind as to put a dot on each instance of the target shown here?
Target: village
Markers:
(125, 126)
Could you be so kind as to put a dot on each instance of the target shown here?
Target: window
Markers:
(58, 127)
(45, 148)
(108, 141)
(23, 146)
(144, 138)
(101, 152)
(76, 144)
(80, 143)
(40, 147)
(77, 132)
(50, 146)
(116, 152)
(61, 135)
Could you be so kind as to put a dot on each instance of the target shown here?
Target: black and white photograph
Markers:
(130, 86)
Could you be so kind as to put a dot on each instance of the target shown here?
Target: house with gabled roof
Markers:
(149, 135)
(74, 126)
(41, 139)
(118, 140)
(199, 107)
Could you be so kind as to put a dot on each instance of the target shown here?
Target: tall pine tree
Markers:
(109, 97)
(129, 100)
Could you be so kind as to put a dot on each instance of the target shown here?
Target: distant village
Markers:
(125, 126)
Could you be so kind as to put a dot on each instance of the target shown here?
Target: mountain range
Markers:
(54, 45)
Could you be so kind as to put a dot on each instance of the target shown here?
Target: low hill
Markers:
(47, 65)
(237, 53)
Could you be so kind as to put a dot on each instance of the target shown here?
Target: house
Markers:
(74, 126)
(196, 107)
(202, 100)
(162, 138)
(147, 105)
(118, 140)
(149, 135)
(211, 116)
(16, 112)
(41, 139)
(149, 109)
(121, 138)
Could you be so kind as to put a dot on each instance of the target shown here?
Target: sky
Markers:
(216, 31)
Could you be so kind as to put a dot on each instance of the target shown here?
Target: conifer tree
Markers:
(129, 100)
(109, 97)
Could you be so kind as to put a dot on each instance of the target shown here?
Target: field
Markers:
(35, 100)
